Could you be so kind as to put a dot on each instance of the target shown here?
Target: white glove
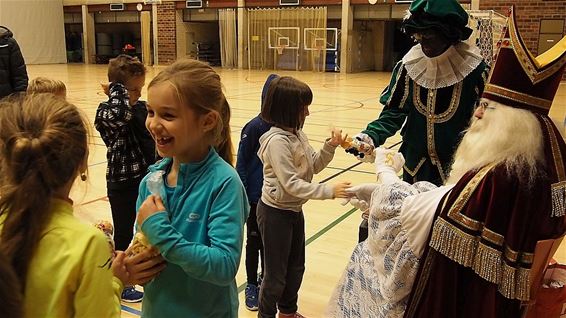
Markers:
(361, 195)
(388, 163)
(362, 148)
(361, 205)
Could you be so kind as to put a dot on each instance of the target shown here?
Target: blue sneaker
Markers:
(252, 297)
(131, 295)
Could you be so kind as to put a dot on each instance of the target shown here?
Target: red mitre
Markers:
(519, 79)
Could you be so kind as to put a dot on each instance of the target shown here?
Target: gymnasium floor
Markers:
(346, 101)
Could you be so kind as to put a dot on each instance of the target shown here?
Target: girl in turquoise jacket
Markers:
(196, 220)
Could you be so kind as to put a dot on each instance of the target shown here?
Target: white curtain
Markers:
(228, 37)
(39, 28)
(260, 56)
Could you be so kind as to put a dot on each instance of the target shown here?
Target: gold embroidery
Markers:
(525, 59)
(556, 154)
(413, 173)
(428, 111)
(558, 189)
(527, 258)
(394, 85)
(492, 237)
(453, 243)
(511, 254)
(515, 283)
(406, 92)
(463, 198)
(487, 262)
(424, 109)
(518, 96)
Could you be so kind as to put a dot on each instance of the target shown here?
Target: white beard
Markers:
(504, 135)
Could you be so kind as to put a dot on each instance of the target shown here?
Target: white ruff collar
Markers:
(447, 69)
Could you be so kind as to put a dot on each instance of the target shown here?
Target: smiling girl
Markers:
(197, 221)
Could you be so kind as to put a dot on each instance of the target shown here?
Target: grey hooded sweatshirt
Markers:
(289, 163)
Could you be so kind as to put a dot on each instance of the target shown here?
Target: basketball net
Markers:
(280, 49)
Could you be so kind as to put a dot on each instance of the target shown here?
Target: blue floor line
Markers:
(131, 310)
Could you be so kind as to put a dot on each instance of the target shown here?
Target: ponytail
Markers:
(11, 298)
(26, 216)
(43, 144)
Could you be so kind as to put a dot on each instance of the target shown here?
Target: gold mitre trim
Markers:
(544, 65)
(518, 96)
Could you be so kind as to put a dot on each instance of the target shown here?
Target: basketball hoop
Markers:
(281, 48)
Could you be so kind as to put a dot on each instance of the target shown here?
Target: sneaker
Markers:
(131, 295)
(252, 297)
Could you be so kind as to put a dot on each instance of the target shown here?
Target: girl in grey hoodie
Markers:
(289, 163)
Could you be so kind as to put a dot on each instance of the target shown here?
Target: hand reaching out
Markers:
(360, 195)
(336, 138)
(341, 190)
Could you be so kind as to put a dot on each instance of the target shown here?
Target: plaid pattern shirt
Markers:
(126, 162)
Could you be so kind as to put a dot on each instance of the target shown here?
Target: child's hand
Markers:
(340, 190)
(150, 206)
(105, 88)
(119, 267)
(336, 138)
(143, 267)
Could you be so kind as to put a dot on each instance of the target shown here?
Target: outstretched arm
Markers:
(394, 112)
(390, 119)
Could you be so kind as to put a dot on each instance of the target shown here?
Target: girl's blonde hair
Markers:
(46, 85)
(43, 144)
(198, 87)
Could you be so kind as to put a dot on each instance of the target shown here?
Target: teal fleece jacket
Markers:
(200, 236)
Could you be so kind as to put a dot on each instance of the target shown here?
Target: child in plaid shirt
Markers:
(130, 149)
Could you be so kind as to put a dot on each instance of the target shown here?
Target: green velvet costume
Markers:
(435, 118)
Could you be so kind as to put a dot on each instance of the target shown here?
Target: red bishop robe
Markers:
(481, 248)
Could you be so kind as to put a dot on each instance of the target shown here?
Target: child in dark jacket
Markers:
(250, 170)
(121, 123)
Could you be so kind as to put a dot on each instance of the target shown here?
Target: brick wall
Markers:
(529, 13)
(166, 33)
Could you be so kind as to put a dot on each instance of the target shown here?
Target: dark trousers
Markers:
(283, 236)
(254, 246)
(123, 205)
(363, 231)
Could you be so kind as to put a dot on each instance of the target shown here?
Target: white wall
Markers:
(39, 28)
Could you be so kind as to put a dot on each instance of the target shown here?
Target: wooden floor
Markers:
(345, 101)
